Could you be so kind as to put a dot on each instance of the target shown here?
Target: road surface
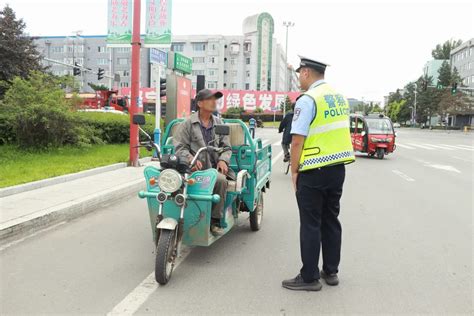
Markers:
(407, 248)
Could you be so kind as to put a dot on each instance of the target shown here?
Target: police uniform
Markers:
(322, 116)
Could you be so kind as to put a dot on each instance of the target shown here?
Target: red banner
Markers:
(268, 101)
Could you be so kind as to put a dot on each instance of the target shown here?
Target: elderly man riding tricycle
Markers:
(210, 171)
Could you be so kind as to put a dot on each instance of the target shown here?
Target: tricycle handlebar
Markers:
(214, 198)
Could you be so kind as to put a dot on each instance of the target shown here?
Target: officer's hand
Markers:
(294, 178)
(222, 167)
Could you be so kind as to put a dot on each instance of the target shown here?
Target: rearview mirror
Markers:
(222, 129)
(138, 119)
(363, 133)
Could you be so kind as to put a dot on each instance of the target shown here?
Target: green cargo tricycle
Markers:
(180, 201)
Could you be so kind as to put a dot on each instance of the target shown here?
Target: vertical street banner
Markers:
(119, 24)
(158, 23)
(265, 27)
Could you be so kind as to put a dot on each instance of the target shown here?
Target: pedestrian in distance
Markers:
(252, 126)
(320, 147)
(285, 128)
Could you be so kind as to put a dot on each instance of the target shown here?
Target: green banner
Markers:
(119, 30)
(183, 63)
(158, 23)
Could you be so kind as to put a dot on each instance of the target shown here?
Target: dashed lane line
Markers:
(403, 176)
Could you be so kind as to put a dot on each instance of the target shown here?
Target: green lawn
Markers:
(17, 166)
(271, 124)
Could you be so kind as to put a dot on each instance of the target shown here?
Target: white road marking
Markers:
(403, 176)
(138, 296)
(466, 146)
(462, 159)
(17, 241)
(456, 147)
(421, 146)
(277, 157)
(440, 147)
(135, 299)
(277, 143)
(404, 146)
(437, 166)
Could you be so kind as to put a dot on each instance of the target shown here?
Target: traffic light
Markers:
(100, 74)
(162, 87)
(76, 71)
(454, 88)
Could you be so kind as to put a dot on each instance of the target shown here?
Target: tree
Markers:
(395, 96)
(444, 74)
(394, 108)
(18, 54)
(443, 51)
(287, 104)
(458, 103)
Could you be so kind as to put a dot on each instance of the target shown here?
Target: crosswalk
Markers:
(445, 147)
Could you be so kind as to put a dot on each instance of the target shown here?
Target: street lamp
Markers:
(287, 24)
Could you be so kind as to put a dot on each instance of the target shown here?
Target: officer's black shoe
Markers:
(331, 279)
(286, 158)
(299, 284)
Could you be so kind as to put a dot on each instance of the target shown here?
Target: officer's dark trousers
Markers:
(318, 193)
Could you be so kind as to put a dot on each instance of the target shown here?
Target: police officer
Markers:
(320, 147)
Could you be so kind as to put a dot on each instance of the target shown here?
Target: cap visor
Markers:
(218, 95)
(298, 69)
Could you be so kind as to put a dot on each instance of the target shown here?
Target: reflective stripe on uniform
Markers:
(327, 158)
(328, 127)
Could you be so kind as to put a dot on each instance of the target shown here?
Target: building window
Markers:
(247, 47)
(211, 72)
(123, 50)
(199, 47)
(248, 73)
(177, 47)
(212, 84)
(126, 73)
(79, 60)
(470, 51)
(124, 84)
(101, 49)
(57, 49)
(105, 61)
(68, 61)
(233, 61)
(198, 60)
(212, 47)
(233, 86)
(234, 48)
(122, 61)
(247, 60)
(198, 72)
(247, 86)
(212, 60)
(233, 73)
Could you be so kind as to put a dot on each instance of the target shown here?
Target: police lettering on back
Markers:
(337, 106)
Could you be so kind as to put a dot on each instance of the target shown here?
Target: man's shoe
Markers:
(330, 279)
(286, 158)
(216, 230)
(298, 284)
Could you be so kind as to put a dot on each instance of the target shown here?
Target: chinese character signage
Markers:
(264, 67)
(157, 56)
(158, 23)
(119, 32)
(268, 101)
(182, 63)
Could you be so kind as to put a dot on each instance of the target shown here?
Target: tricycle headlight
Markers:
(374, 139)
(170, 180)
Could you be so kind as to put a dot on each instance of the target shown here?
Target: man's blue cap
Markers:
(311, 63)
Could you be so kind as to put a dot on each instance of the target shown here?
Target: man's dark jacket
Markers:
(285, 127)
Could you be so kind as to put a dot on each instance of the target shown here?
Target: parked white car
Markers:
(396, 125)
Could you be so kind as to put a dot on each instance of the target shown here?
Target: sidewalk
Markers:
(26, 212)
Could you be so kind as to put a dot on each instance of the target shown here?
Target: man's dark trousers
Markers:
(318, 193)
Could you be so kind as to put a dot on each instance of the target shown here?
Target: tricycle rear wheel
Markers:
(165, 256)
(257, 214)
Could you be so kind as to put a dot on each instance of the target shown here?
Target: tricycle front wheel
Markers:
(257, 214)
(380, 153)
(165, 256)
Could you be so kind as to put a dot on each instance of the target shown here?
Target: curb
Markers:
(60, 179)
(29, 224)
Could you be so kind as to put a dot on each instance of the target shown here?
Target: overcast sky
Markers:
(373, 47)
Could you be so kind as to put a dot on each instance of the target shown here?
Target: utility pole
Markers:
(414, 104)
(135, 84)
(287, 24)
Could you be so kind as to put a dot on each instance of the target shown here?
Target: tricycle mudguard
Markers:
(167, 223)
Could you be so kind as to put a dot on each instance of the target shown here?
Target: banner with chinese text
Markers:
(158, 23)
(268, 101)
(119, 24)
